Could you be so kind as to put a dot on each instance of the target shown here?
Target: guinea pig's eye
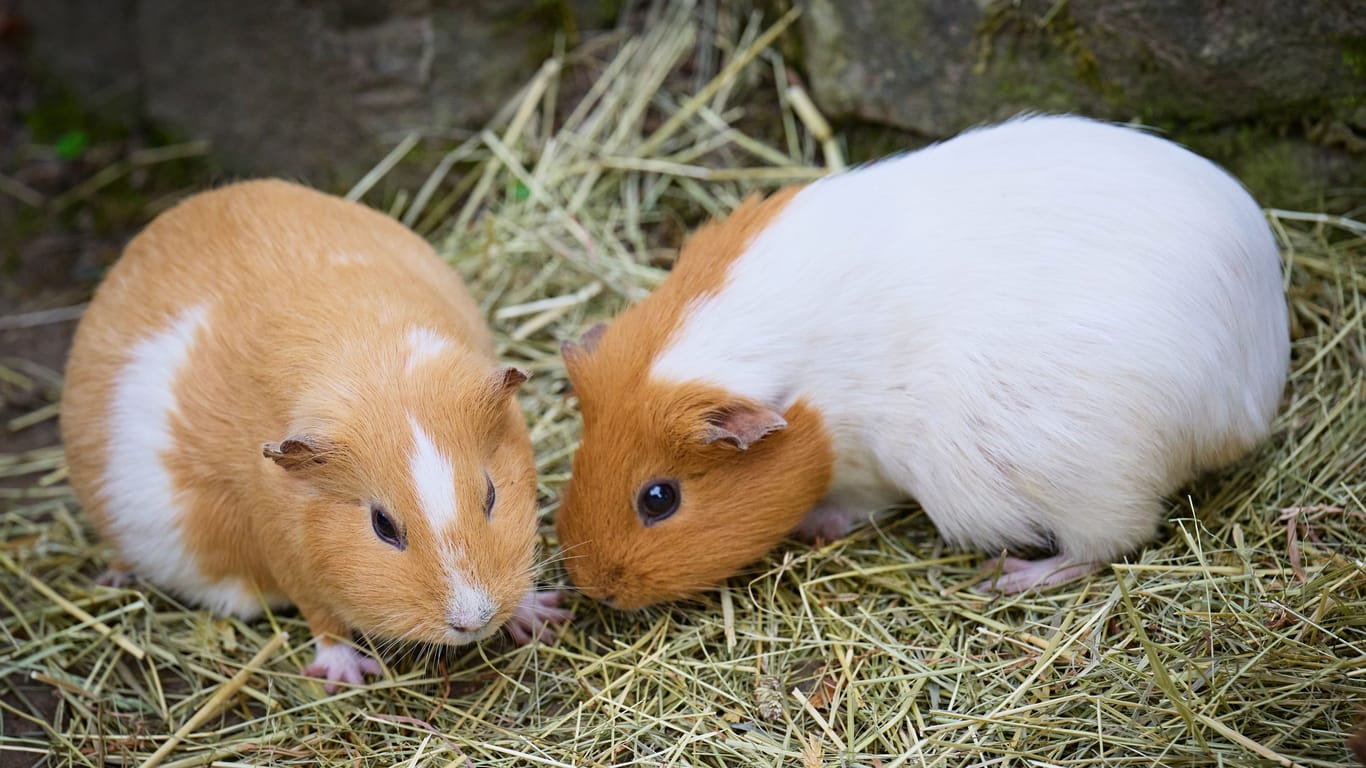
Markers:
(385, 528)
(657, 501)
(489, 497)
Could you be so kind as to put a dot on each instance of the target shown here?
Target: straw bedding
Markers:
(1239, 638)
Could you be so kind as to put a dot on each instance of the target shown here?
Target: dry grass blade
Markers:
(1238, 638)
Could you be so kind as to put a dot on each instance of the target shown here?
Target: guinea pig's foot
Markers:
(827, 522)
(1019, 575)
(117, 576)
(340, 663)
(536, 617)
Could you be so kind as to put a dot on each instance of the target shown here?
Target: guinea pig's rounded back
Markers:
(262, 309)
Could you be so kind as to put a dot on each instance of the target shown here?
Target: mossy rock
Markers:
(1274, 90)
(317, 89)
(939, 66)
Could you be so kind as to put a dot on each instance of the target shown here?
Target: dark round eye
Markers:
(657, 501)
(489, 497)
(385, 528)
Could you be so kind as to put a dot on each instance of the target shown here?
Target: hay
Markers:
(1239, 638)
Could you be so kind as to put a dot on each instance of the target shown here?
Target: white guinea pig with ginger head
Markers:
(1036, 330)
(279, 395)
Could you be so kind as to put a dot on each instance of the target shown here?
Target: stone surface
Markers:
(321, 89)
(302, 87)
(1274, 89)
(87, 46)
(939, 66)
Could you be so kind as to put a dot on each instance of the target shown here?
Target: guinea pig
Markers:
(277, 396)
(1037, 330)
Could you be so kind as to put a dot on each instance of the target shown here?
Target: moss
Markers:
(110, 215)
(58, 113)
(792, 44)
(1056, 30)
(1276, 173)
(1281, 168)
(865, 142)
(550, 18)
(1354, 54)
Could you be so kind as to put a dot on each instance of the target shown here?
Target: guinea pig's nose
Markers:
(471, 612)
(470, 624)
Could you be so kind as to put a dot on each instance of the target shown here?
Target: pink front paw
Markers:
(1018, 575)
(827, 522)
(116, 577)
(340, 663)
(536, 617)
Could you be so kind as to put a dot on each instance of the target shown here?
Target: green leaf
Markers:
(71, 145)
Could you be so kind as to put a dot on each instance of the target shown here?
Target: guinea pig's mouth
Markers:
(623, 591)
(619, 603)
(631, 600)
(435, 633)
(602, 589)
(465, 636)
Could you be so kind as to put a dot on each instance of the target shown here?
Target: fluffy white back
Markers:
(1035, 329)
(145, 507)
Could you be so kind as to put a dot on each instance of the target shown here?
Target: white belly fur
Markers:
(145, 508)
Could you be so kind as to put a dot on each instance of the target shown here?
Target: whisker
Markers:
(560, 556)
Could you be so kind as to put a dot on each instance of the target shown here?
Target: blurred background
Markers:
(111, 111)
(320, 89)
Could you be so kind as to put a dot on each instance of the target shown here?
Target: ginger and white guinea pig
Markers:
(1036, 330)
(279, 396)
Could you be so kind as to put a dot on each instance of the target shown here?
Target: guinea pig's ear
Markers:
(299, 452)
(741, 424)
(575, 352)
(506, 380)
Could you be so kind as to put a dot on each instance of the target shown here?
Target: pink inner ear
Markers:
(590, 338)
(509, 378)
(742, 424)
(586, 343)
(298, 451)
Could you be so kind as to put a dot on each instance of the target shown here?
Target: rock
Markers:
(86, 46)
(312, 88)
(939, 66)
(1277, 88)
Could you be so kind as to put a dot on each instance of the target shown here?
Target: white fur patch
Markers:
(423, 345)
(345, 259)
(1035, 328)
(434, 479)
(145, 507)
(470, 605)
(472, 608)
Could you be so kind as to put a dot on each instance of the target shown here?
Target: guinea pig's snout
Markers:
(601, 586)
(470, 611)
(468, 627)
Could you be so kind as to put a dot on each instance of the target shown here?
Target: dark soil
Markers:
(54, 246)
(55, 240)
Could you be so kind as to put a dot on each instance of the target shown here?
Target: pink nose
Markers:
(471, 618)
